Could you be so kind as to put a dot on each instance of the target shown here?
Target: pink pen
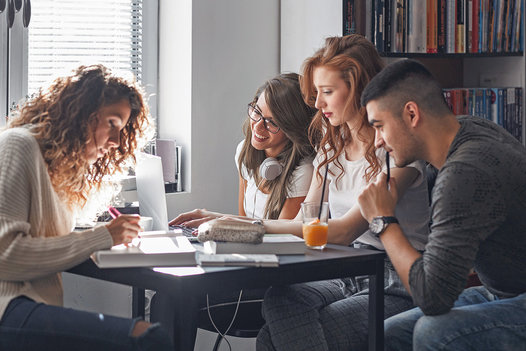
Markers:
(113, 212)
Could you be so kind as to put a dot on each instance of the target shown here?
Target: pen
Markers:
(113, 212)
(388, 167)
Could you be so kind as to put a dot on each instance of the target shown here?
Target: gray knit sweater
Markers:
(36, 238)
(479, 219)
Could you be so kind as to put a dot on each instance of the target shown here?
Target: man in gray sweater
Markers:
(478, 218)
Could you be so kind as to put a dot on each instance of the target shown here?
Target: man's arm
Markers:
(460, 224)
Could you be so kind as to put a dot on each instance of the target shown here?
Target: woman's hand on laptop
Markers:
(124, 228)
(195, 218)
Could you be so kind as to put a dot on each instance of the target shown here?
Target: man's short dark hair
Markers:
(403, 81)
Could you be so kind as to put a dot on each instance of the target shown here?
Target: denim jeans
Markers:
(478, 321)
(28, 325)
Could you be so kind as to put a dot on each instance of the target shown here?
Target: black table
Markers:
(182, 290)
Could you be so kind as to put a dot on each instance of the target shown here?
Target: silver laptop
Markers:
(150, 190)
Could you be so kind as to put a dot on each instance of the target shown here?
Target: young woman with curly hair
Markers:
(54, 154)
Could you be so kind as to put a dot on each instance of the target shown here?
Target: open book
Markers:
(279, 244)
(151, 251)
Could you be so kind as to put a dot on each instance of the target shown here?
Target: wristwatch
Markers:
(257, 221)
(378, 224)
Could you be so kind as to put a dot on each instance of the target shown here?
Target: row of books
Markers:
(500, 105)
(448, 26)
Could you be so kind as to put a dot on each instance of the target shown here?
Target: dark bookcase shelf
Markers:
(444, 55)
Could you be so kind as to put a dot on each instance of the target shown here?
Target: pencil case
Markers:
(232, 230)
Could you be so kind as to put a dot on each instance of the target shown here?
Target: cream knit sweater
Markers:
(36, 238)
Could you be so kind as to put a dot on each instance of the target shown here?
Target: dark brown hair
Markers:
(292, 116)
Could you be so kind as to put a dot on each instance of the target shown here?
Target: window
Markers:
(66, 33)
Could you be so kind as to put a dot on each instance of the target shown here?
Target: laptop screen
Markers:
(150, 190)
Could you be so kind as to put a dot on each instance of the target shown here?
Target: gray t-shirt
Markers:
(479, 219)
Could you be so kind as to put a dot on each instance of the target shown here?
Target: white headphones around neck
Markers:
(270, 168)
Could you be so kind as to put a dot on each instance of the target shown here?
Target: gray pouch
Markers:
(231, 230)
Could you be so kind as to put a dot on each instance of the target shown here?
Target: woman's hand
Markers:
(195, 218)
(124, 228)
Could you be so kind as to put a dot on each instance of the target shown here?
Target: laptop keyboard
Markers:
(187, 231)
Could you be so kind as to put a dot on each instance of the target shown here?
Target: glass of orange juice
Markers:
(315, 224)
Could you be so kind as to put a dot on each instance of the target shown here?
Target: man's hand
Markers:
(377, 200)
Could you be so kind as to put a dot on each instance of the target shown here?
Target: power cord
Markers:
(223, 335)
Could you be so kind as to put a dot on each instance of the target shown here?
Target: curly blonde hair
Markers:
(358, 62)
(63, 118)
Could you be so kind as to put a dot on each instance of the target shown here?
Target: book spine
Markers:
(390, 26)
(431, 26)
(451, 9)
(479, 100)
(489, 100)
(469, 26)
(460, 29)
(491, 24)
(417, 26)
(369, 20)
(360, 16)
(379, 25)
(483, 26)
(405, 44)
(347, 19)
(500, 25)
(442, 26)
(518, 113)
(475, 21)
(447, 98)
(510, 111)
(508, 22)
(471, 102)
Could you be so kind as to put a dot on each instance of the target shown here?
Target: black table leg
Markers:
(178, 315)
(376, 308)
(138, 302)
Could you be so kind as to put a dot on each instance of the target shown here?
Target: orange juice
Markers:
(315, 234)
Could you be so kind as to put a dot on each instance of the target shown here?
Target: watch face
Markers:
(377, 225)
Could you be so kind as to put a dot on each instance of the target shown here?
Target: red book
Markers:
(474, 24)
(432, 9)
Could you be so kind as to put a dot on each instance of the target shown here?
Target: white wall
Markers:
(205, 84)
(304, 26)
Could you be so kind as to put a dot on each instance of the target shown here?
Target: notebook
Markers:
(148, 252)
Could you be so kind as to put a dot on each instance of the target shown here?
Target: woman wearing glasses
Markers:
(275, 134)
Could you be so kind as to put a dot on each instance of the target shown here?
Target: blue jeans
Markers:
(28, 325)
(478, 321)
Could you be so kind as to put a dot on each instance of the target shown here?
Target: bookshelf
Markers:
(455, 66)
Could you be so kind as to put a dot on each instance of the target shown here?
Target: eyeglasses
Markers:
(256, 115)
